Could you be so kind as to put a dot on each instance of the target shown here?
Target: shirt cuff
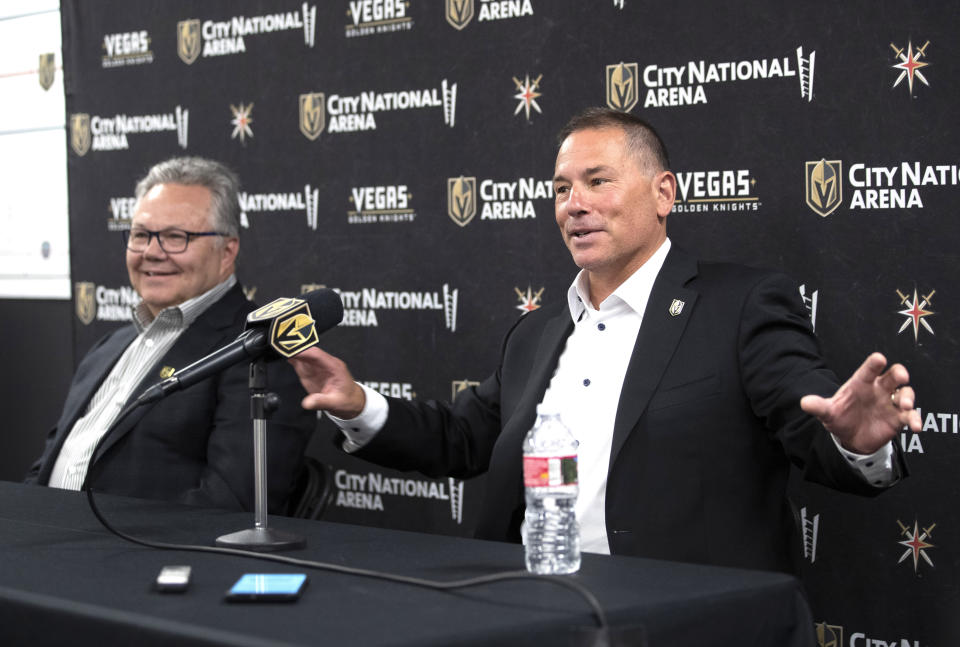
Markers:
(877, 469)
(360, 430)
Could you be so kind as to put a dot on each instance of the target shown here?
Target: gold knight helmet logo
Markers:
(293, 328)
(829, 635)
(80, 133)
(293, 331)
(188, 40)
(622, 91)
(824, 190)
(312, 115)
(273, 309)
(458, 12)
(83, 292)
(461, 385)
(462, 199)
(46, 70)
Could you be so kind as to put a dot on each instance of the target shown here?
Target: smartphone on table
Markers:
(267, 587)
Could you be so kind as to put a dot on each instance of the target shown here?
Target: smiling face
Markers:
(610, 209)
(163, 279)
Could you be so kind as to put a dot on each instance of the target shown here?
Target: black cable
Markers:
(360, 572)
(601, 617)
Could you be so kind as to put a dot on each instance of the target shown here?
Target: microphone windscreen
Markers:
(326, 308)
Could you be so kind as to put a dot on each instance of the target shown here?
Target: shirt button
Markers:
(148, 343)
(601, 326)
(586, 382)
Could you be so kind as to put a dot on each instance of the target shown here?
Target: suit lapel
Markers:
(659, 335)
(501, 514)
(100, 362)
(552, 342)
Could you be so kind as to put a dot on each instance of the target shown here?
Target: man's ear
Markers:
(665, 184)
(230, 249)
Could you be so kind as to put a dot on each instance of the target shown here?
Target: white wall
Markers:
(34, 226)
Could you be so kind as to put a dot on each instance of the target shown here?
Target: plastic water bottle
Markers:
(552, 536)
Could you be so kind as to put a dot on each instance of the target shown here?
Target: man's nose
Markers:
(576, 201)
(153, 249)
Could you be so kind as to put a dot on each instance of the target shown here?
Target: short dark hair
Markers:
(642, 139)
(224, 186)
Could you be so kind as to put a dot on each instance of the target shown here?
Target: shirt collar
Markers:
(634, 292)
(184, 314)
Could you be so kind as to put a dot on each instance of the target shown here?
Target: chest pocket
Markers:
(690, 391)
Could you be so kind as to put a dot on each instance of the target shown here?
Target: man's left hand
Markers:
(870, 408)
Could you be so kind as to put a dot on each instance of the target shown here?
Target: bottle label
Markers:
(540, 471)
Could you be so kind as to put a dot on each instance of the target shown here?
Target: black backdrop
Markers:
(397, 152)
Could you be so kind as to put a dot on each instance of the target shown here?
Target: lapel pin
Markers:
(166, 372)
(676, 307)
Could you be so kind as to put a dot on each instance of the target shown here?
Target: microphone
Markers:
(285, 326)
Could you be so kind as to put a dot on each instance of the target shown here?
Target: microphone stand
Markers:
(260, 537)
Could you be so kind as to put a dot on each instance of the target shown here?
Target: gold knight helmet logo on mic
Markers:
(274, 309)
(292, 330)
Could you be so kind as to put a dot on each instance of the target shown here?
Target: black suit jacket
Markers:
(196, 445)
(707, 424)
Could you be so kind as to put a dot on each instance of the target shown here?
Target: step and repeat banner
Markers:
(401, 153)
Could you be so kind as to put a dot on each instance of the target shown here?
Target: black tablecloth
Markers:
(65, 580)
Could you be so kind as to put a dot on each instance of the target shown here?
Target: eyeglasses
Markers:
(172, 241)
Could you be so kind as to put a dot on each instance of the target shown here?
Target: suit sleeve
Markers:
(441, 439)
(33, 476)
(780, 363)
(437, 438)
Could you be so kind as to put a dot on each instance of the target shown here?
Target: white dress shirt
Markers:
(589, 377)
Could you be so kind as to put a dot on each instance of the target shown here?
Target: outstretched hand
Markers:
(870, 408)
(330, 386)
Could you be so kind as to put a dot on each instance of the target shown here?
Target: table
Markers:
(65, 580)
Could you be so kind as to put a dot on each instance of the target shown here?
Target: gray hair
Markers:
(222, 182)
(642, 140)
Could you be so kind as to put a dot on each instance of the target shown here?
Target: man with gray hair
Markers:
(196, 445)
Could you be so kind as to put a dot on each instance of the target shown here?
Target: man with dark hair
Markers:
(690, 386)
(196, 445)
